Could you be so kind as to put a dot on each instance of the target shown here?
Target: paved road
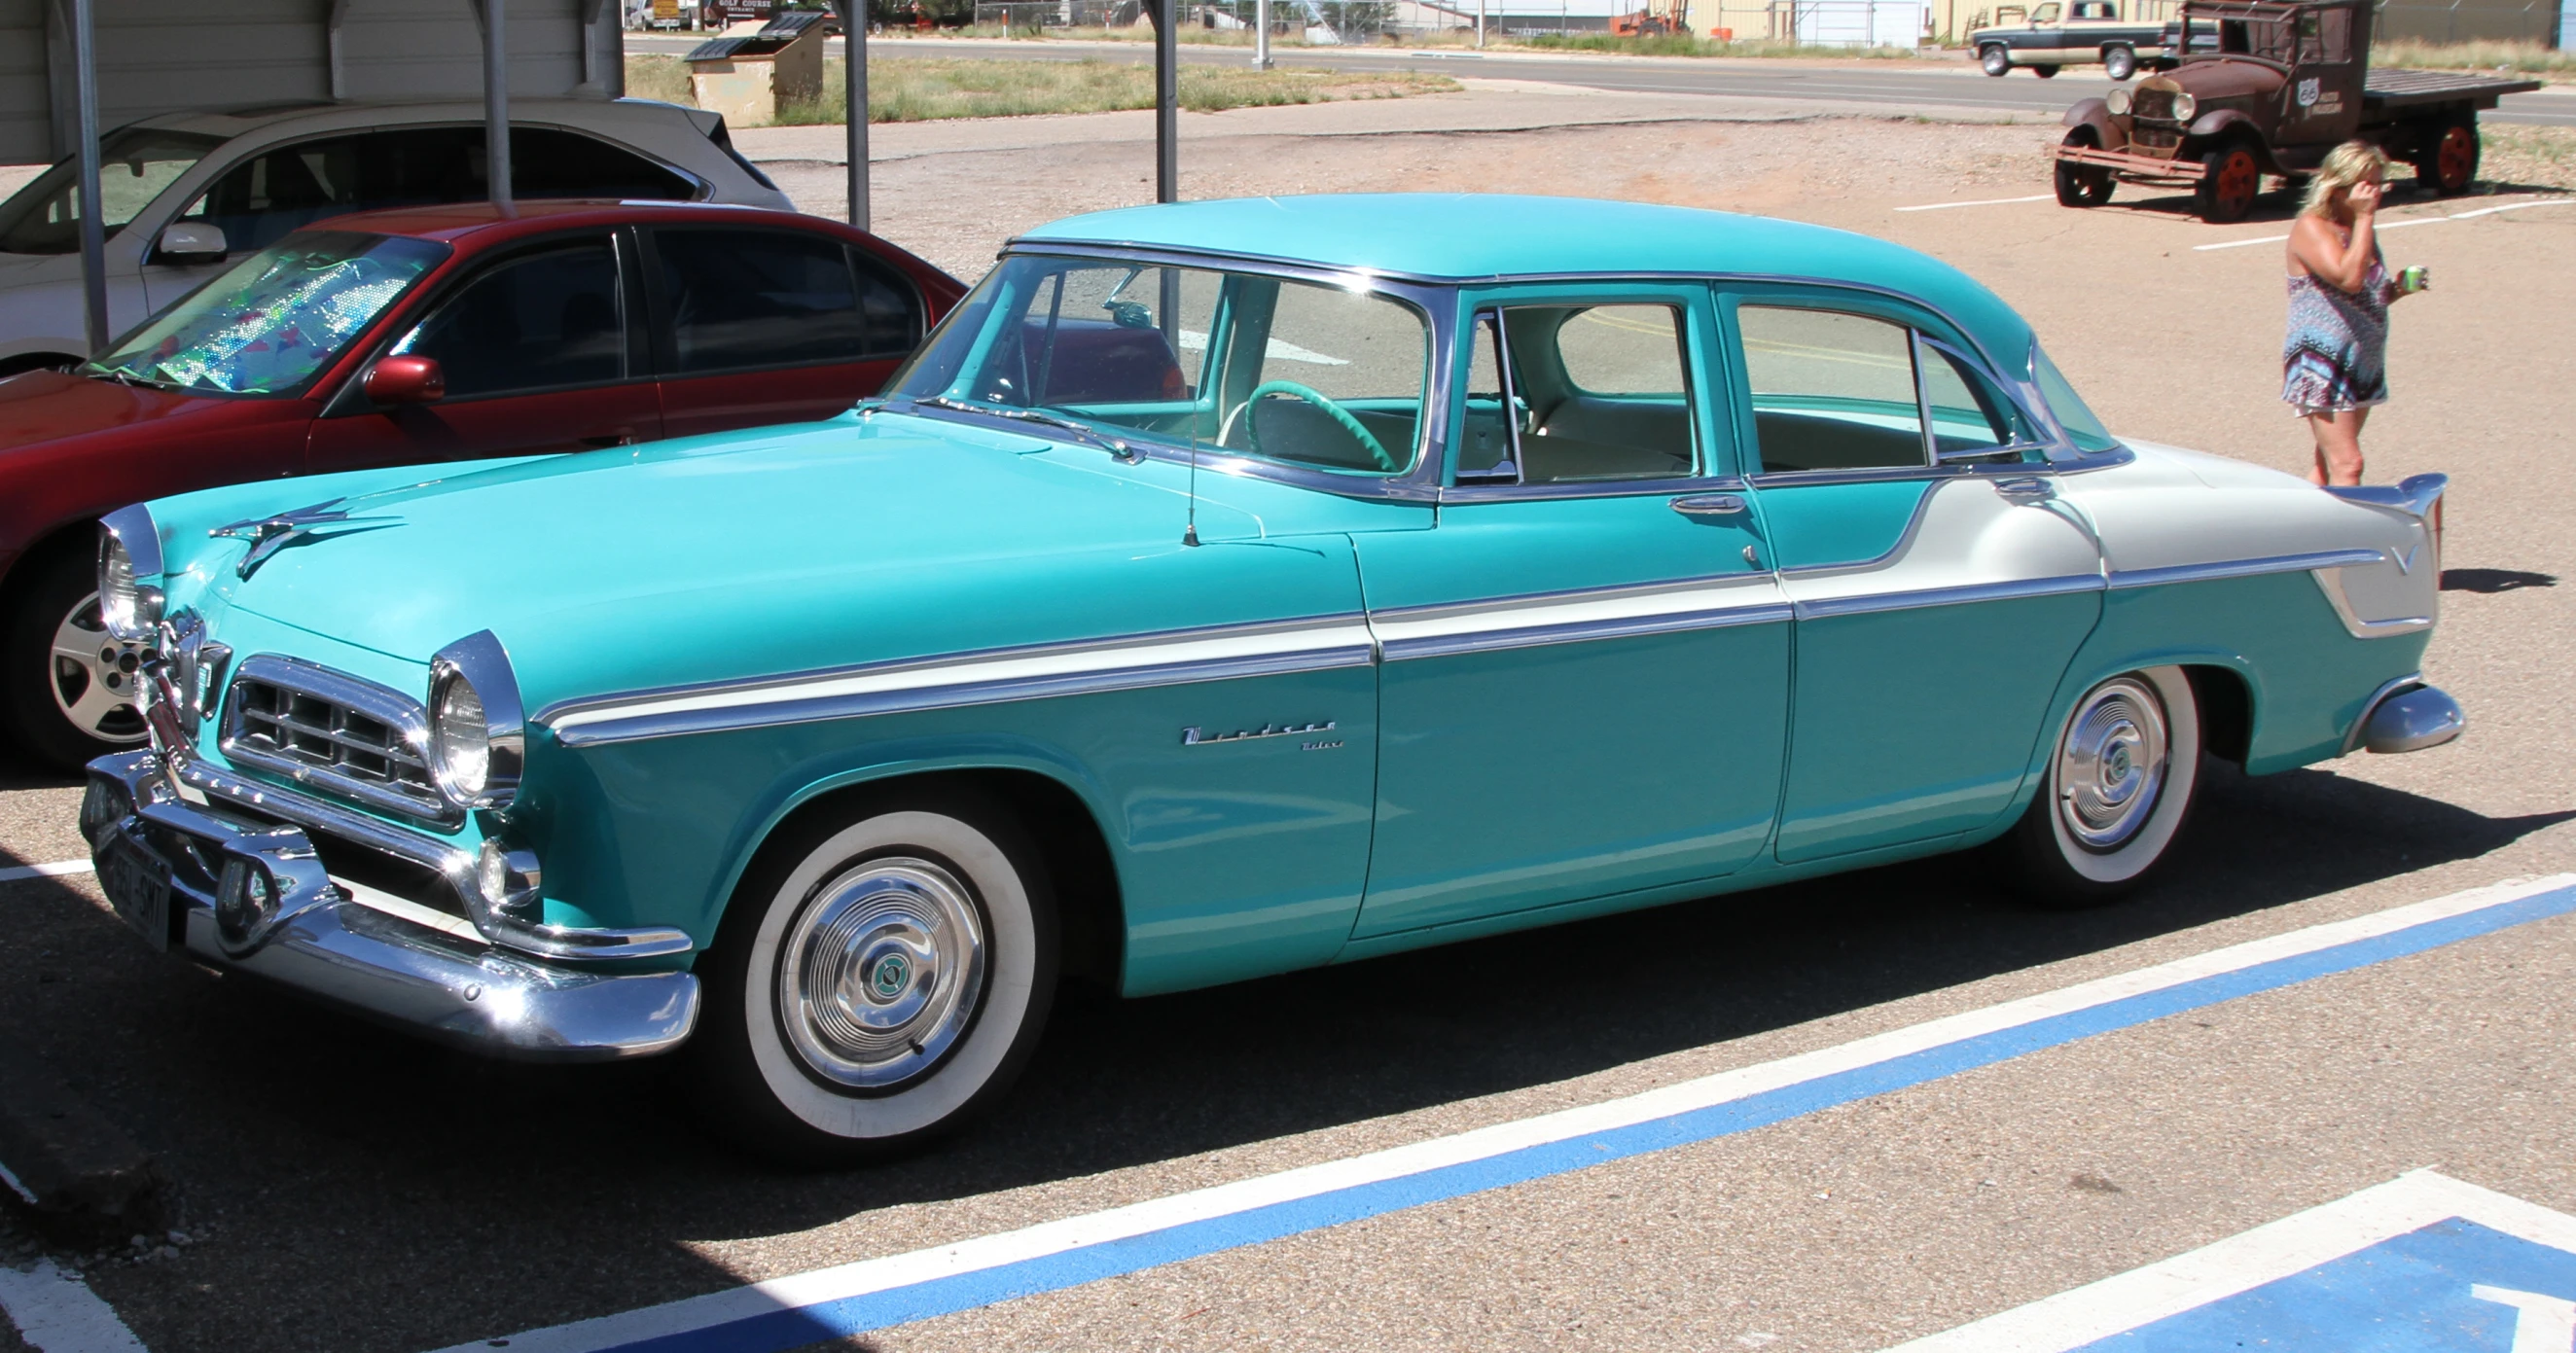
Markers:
(1947, 87)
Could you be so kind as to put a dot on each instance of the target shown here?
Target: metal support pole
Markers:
(93, 227)
(854, 62)
(496, 105)
(1167, 101)
(1261, 35)
(1480, 25)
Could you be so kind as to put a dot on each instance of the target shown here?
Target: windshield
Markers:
(134, 165)
(1255, 365)
(272, 320)
(2082, 427)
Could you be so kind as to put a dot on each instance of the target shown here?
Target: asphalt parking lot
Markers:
(345, 1189)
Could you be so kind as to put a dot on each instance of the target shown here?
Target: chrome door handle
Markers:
(2026, 490)
(1710, 505)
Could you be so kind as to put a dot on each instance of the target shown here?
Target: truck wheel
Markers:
(2229, 180)
(2448, 162)
(2119, 62)
(68, 685)
(1994, 59)
(881, 977)
(2082, 185)
(2117, 789)
(2044, 72)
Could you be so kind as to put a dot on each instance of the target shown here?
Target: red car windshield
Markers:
(270, 322)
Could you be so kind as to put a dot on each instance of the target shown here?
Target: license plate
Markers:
(138, 886)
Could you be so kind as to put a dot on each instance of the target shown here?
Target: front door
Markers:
(1941, 587)
(536, 351)
(2321, 105)
(1586, 661)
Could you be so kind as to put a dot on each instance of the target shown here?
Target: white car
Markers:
(184, 191)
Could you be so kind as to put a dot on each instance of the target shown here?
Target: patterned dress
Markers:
(2335, 357)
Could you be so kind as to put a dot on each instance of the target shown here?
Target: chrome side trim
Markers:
(1578, 615)
(2414, 495)
(2330, 582)
(990, 676)
(1875, 602)
(1575, 632)
(1612, 488)
(2242, 568)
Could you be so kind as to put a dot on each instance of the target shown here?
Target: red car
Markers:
(424, 334)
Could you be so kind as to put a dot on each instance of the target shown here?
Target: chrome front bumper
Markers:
(254, 897)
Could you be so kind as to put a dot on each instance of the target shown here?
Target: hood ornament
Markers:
(268, 535)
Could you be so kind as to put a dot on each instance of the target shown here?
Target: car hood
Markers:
(792, 548)
(2206, 80)
(47, 406)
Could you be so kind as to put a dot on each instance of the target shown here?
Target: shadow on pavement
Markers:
(357, 1190)
(2490, 581)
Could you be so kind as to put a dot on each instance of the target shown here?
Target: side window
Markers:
(1596, 392)
(1831, 390)
(535, 322)
(276, 190)
(759, 298)
(546, 162)
(1971, 420)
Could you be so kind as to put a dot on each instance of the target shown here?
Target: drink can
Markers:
(2412, 279)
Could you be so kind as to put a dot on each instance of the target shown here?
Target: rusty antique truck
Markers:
(2268, 87)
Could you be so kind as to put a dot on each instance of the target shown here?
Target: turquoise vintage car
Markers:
(1224, 588)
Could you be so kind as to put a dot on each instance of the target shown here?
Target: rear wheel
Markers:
(2082, 185)
(67, 686)
(2230, 178)
(1993, 59)
(2448, 162)
(881, 978)
(2119, 785)
(2119, 62)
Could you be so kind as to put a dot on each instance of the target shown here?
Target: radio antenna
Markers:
(1171, 299)
(1190, 533)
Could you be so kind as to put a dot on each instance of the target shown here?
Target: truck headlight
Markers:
(129, 551)
(477, 730)
(2117, 101)
(2184, 105)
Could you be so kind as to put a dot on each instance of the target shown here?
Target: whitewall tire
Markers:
(879, 979)
(2119, 784)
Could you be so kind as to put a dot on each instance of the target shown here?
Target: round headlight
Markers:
(2117, 101)
(127, 607)
(2184, 106)
(460, 740)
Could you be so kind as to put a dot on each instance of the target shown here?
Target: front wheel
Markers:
(2230, 177)
(881, 978)
(2119, 784)
(1994, 60)
(2119, 62)
(68, 685)
(2082, 185)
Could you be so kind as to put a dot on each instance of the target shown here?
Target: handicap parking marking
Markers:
(2421, 1263)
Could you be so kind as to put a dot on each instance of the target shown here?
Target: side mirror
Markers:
(405, 380)
(192, 242)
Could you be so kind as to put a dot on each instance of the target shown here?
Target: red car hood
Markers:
(45, 406)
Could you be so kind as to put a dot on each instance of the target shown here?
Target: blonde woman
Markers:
(2333, 364)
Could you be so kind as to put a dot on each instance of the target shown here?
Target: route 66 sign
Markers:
(2308, 90)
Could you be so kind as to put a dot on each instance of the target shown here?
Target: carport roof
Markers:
(1470, 237)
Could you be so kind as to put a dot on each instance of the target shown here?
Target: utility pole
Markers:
(854, 62)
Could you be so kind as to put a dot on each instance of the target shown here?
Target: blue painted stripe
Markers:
(791, 1328)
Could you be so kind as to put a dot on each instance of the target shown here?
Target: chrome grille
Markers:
(333, 732)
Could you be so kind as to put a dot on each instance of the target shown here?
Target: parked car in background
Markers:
(2077, 32)
(183, 193)
(414, 337)
(1225, 588)
(2274, 88)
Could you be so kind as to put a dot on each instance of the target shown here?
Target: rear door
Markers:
(539, 350)
(772, 325)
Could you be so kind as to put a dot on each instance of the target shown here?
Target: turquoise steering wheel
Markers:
(1368, 441)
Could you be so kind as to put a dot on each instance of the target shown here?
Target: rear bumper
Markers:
(305, 930)
(2140, 167)
(2406, 716)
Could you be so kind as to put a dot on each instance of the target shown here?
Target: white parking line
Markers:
(44, 871)
(2397, 225)
(57, 1313)
(1987, 202)
(2266, 1254)
(807, 1308)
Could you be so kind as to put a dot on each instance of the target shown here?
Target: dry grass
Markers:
(1683, 44)
(2529, 157)
(923, 89)
(2511, 58)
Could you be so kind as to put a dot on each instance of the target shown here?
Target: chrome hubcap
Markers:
(2111, 765)
(95, 675)
(882, 973)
